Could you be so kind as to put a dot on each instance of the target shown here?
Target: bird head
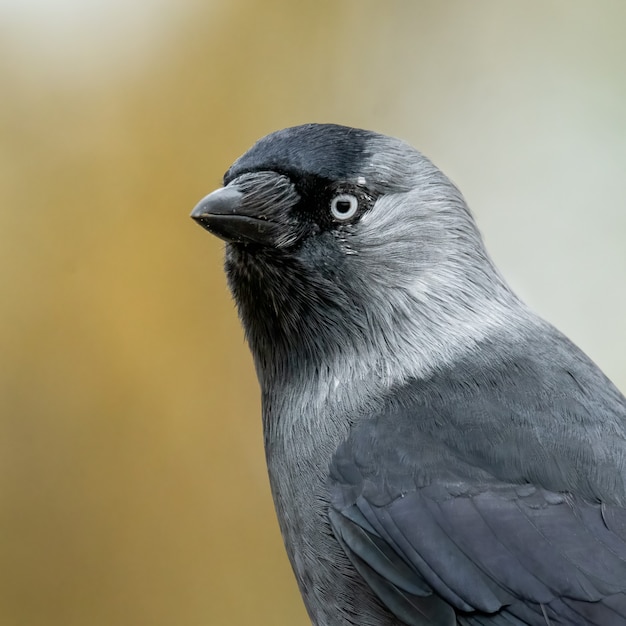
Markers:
(343, 240)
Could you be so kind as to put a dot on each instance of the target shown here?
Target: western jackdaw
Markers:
(438, 454)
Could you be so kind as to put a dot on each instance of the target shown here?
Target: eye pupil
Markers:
(343, 206)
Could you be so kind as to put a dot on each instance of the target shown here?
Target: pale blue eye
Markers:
(344, 206)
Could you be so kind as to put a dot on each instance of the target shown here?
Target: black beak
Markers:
(223, 213)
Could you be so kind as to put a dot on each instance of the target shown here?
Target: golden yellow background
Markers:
(132, 481)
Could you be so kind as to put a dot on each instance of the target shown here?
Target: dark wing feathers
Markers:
(403, 591)
(448, 519)
(357, 539)
(418, 539)
(614, 519)
(488, 552)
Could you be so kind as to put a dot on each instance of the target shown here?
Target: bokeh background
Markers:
(132, 481)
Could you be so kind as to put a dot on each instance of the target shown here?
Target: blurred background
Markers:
(132, 480)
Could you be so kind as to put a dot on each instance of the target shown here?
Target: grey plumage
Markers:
(438, 454)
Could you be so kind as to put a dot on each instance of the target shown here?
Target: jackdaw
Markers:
(438, 453)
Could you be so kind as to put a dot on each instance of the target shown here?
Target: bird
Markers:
(438, 453)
